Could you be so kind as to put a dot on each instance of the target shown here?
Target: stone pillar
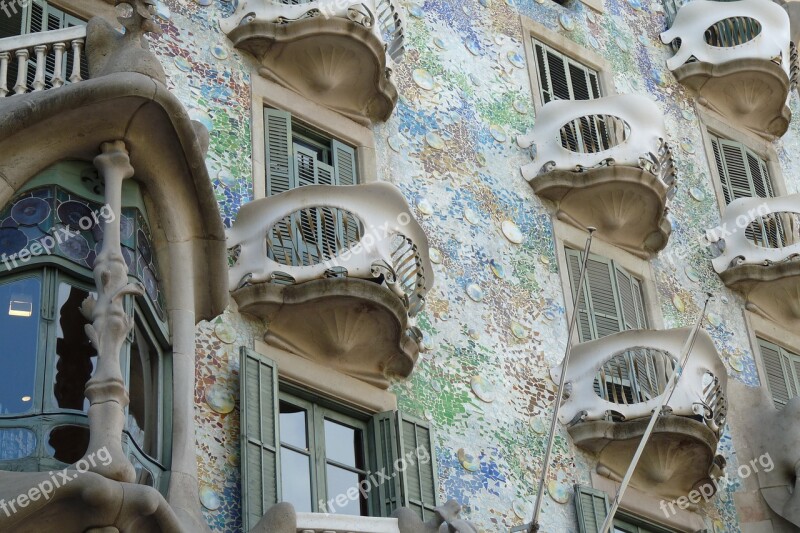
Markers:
(110, 323)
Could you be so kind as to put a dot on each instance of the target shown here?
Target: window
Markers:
(297, 156)
(592, 506)
(745, 174)
(46, 355)
(612, 299)
(782, 369)
(563, 78)
(311, 452)
(37, 16)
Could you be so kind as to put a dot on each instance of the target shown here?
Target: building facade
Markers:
(351, 243)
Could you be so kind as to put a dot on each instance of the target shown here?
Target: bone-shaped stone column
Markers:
(110, 324)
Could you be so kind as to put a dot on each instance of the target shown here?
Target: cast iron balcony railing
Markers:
(614, 384)
(605, 163)
(337, 53)
(39, 61)
(738, 58)
(757, 248)
(353, 247)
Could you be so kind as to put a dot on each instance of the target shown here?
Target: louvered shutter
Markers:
(260, 436)
(344, 161)
(777, 378)
(418, 481)
(592, 508)
(280, 178)
(585, 329)
(386, 496)
(603, 296)
(11, 25)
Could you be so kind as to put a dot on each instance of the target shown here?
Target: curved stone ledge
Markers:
(335, 62)
(679, 456)
(753, 92)
(626, 204)
(355, 326)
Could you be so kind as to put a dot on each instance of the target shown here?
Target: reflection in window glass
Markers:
(343, 444)
(76, 358)
(16, 443)
(19, 331)
(296, 480)
(293, 426)
(68, 443)
(143, 386)
(340, 481)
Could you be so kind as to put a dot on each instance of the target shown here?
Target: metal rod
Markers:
(534, 523)
(673, 382)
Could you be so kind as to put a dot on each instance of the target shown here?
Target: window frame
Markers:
(712, 125)
(267, 94)
(53, 270)
(588, 58)
(383, 426)
(566, 236)
(319, 409)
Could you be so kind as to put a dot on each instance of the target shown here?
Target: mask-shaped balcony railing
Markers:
(362, 231)
(622, 377)
(44, 60)
(739, 58)
(615, 382)
(335, 270)
(606, 163)
(757, 251)
(338, 53)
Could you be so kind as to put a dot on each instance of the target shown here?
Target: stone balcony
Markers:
(605, 163)
(337, 53)
(758, 253)
(613, 385)
(339, 272)
(24, 59)
(738, 58)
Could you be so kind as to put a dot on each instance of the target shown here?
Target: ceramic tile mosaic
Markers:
(495, 322)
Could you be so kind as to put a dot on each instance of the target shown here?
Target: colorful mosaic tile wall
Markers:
(495, 322)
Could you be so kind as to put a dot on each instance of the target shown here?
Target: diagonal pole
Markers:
(533, 525)
(667, 396)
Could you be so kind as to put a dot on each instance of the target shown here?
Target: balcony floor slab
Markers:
(626, 204)
(355, 326)
(751, 92)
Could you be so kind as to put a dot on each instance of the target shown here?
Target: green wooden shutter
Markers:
(344, 161)
(592, 507)
(743, 173)
(418, 481)
(279, 153)
(260, 436)
(280, 178)
(603, 296)
(782, 371)
(585, 321)
(12, 25)
(386, 496)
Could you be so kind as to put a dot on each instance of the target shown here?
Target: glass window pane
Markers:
(16, 443)
(19, 331)
(344, 444)
(76, 358)
(339, 482)
(144, 390)
(296, 480)
(293, 425)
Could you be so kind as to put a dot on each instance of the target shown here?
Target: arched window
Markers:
(50, 235)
